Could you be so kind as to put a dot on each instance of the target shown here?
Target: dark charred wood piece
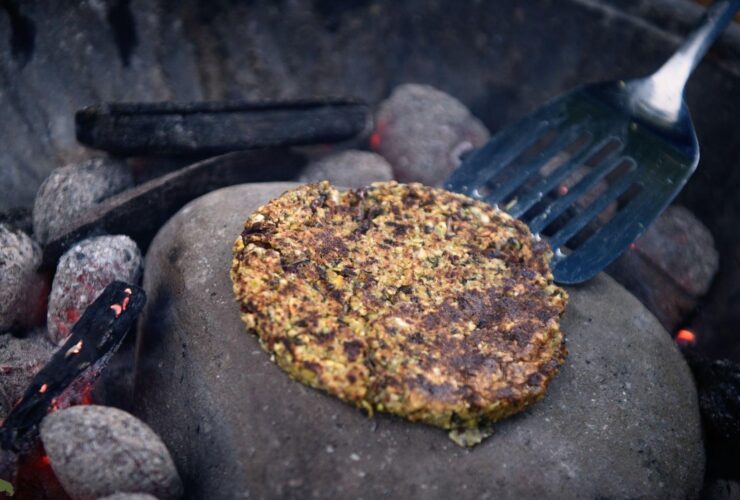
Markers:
(140, 211)
(718, 385)
(217, 127)
(94, 339)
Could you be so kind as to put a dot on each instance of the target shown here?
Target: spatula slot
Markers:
(625, 198)
(601, 203)
(504, 186)
(602, 220)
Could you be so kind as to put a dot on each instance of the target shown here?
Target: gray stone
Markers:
(83, 272)
(72, 189)
(620, 419)
(129, 496)
(422, 132)
(98, 450)
(353, 169)
(21, 287)
(20, 359)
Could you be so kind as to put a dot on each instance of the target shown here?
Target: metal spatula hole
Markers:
(539, 145)
(563, 156)
(624, 167)
(601, 221)
(592, 227)
(611, 145)
(625, 198)
(588, 193)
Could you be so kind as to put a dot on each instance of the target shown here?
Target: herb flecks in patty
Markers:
(402, 298)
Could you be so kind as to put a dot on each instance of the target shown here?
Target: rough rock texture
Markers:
(21, 288)
(72, 189)
(20, 359)
(98, 450)
(354, 169)
(83, 272)
(422, 132)
(620, 419)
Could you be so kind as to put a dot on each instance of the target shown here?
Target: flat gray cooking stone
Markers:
(620, 420)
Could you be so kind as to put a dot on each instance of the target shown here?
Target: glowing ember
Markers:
(685, 337)
(43, 388)
(375, 140)
(117, 309)
(75, 349)
(377, 136)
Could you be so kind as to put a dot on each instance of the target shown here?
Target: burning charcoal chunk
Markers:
(72, 189)
(83, 272)
(422, 132)
(20, 359)
(129, 496)
(22, 289)
(352, 169)
(98, 450)
(72, 370)
(670, 267)
(681, 246)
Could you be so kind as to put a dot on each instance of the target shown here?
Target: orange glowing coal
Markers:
(685, 337)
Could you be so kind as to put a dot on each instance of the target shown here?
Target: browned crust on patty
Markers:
(402, 298)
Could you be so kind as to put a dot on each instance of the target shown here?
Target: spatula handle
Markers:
(663, 91)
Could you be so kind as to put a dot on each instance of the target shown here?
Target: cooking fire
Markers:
(369, 249)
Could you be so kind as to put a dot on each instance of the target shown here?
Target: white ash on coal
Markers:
(83, 272)
(20, 359)
(422, 132)
(71, 190)
(670, 267)
(352, 169)
(98, 450)
(22, 289)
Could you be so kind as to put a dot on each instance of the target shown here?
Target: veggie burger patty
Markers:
(404, 299)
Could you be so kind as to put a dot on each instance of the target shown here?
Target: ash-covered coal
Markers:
(72, 189)
(670, 267)
(22, 289)
(83, 272)
(422, 132)
(20, 359)
(98, 450)
(352, 169)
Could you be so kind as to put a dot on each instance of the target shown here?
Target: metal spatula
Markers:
(593, 168)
